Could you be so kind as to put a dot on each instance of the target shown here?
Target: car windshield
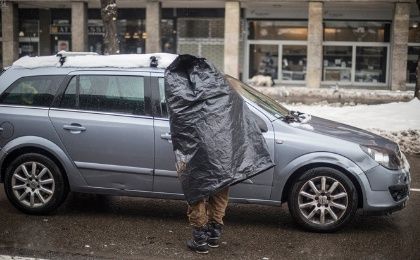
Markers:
(264, 102)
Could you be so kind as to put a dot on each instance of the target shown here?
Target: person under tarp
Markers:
(216, 140)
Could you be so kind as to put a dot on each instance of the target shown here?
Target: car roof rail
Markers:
(64, 54)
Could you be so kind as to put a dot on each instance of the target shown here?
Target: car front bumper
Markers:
(385, 190)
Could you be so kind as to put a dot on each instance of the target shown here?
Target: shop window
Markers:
(29, 28)
(294, 62)
(337, 63)
(412, 58)
(277, 30)
(168, 36)
(414, 32)
(357, 31)
(371, 64)
(96, 32)
(202, 37)
(28, 38)
(60, 31)
(201, 28)
(413, 51)
(132, 35)
(1, 55)
(263, 60)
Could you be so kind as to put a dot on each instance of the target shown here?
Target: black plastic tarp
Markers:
(215, 137)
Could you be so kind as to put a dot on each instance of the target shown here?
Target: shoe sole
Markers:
(214, 246)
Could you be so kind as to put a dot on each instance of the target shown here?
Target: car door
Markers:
(104, 122)
(166, 179)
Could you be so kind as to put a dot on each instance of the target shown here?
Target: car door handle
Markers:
(74, 128)
(166, 136)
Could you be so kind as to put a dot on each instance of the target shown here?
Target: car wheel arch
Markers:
(14, 153)
(302, 169)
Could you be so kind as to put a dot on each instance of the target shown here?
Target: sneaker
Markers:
(214, 232)
(199, 243)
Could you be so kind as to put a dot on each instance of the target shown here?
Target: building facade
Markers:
(357, 43)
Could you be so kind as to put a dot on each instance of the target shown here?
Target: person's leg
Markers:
(197, 217)
(216, 211)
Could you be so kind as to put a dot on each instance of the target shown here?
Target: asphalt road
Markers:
(104, 227)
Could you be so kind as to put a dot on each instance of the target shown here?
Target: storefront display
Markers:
(412, 59)
(277, 49)
(263, 60)
(96, 32)
(371, 64)
(337, 63)
(357, 31)
(356, 52)
(294, 62)
(132, 35)
(277, 30)
(168, 35)
(413, 51)
(202, 37)
(60, 30)
(29, 38)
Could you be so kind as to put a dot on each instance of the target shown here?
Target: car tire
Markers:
(35, 184)
(323, 199)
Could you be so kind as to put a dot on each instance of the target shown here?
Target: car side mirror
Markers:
(261, 124)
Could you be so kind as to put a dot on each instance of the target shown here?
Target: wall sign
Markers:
(66, 29)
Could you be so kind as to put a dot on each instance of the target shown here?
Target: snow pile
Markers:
(311, 96)
(398, 121)
(409, 140)
(98, 61)
(36, 62)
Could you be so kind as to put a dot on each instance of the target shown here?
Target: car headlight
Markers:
(384, 157)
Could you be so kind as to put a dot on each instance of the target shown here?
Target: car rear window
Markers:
(38, 91)
(105, 93)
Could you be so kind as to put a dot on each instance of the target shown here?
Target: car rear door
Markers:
(104, 121)
(166, 178)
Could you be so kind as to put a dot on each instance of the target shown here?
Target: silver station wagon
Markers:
(95, 128)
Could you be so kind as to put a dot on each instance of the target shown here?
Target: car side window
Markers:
(162, 99)
(38, 91)
(105, 93)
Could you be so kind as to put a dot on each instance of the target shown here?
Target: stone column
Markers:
(9, 23)
(79, 30)
(44, 31)
(232, 34)
(315, 37)
(153, 14)
(399, 40)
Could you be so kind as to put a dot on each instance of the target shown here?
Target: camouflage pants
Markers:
(210, 210)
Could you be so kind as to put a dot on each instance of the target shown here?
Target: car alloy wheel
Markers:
(33, 184)
(323, 200)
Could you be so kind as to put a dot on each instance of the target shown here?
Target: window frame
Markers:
(353, 82)
(70, 76)
(156, 108)
(57, 81)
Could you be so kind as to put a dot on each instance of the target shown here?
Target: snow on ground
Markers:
(398, 121)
